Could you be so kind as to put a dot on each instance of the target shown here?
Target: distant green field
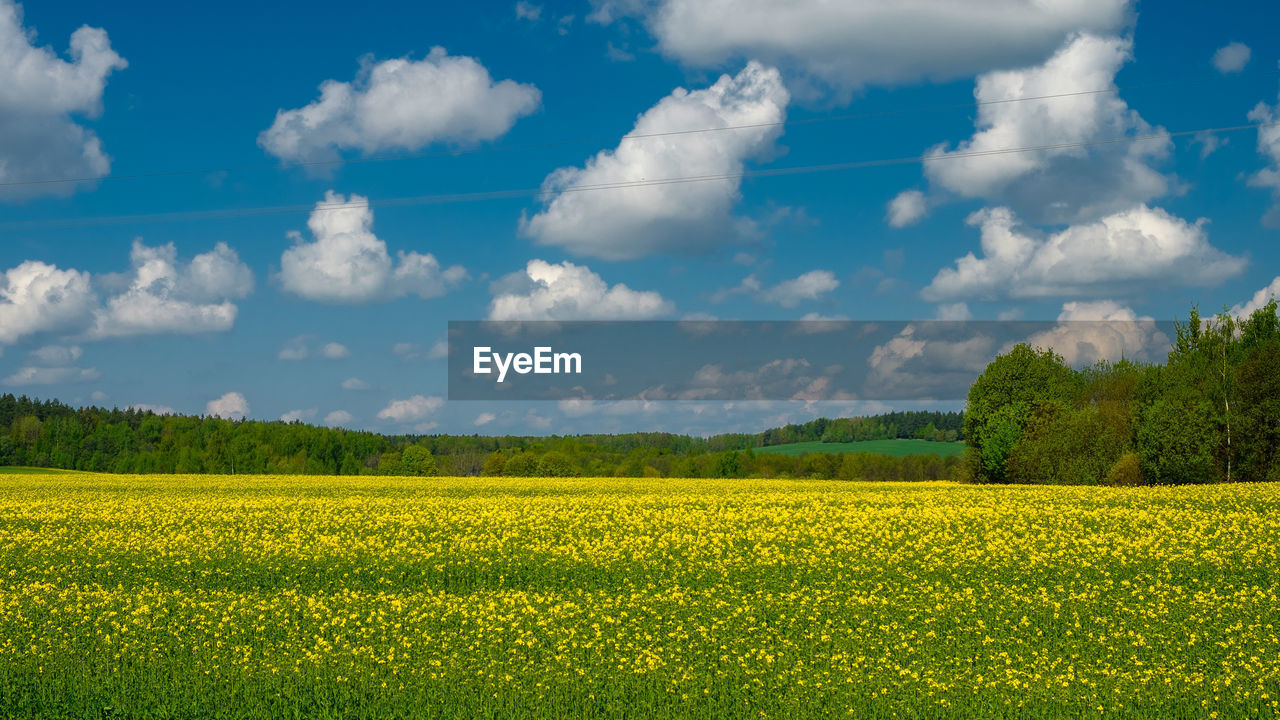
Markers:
(896, 448)
(7, 470)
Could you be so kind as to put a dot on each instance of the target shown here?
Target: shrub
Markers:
(1127, 472)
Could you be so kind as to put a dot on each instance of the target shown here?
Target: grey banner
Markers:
(802, 360)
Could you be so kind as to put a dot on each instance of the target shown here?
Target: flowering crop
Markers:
(202, 596)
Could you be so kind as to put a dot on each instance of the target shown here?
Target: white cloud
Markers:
(347, 263)
(1209, 143)
(1260, 298)
(36, 297)
(1269, 149)
(338, 417)
(231, 406)
(926, 358)
(294, 349)
(401, 104)
(335, 351)
(809, 286)
(788, 293)
(954, 312)
(439, 350)
(906, 208)
(1102, 330)
(1069, 183)
(157, 409)
(31, 375)
(484, 418)
(1139, 249)
(39, 94)
(354, 383)
(299, 415)
(528, 11)
(415, 408)
(625, 223)
(53, 365)
(850, 44)
(564, 291)
(99, 396)
(164, 295)
(1232, 58)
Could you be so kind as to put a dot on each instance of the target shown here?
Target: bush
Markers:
(1127, 472)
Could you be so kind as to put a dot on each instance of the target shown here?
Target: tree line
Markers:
(55, 435)
(1210, 413)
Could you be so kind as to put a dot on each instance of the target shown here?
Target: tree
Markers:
(494, 464)
(418, 460)
(1002, 400)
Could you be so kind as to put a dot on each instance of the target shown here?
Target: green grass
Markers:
(16, 470)
(895, 448)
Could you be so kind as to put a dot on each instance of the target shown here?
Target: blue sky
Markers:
(114, 311)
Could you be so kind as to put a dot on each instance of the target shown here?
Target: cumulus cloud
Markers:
(1104, 330)
(1260, 298)
(37, 297)
(1068, 183)
(335, 351)
(926, 358)
(347, 263)
(32, 375)
(788, 293)
(338, 417)
(354, 383)
(294, 349)
(1131, 251)
(164, 295)
(954, 312)
(412, 409)
(157, 409)
(528, 11)
(843, 46)
(484, 418)
(52, 365)
(907, 208)
(1232, 58)
(299, 415)
(231, 406)
(39, 94)
(401, 104)
(565, 291)
(625, 223)
(59, 355)
(1269, 149)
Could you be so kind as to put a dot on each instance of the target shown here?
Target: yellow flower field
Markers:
(204, 596)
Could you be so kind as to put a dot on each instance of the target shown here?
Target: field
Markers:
(896, 448)
(270, 597)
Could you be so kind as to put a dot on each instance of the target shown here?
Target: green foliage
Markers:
(494, 465)
(1127, 472)
(1210, 414)
(1001, 403)
(50, 434)
(418, 460)
(897, 448)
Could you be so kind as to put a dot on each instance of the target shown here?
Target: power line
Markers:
(231, 213)
(625, 138)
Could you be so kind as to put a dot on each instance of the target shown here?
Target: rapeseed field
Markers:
(277, 597)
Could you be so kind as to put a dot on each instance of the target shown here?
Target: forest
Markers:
(1210, 413)
(52, 434)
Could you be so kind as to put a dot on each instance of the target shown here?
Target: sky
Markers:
(272, 210)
